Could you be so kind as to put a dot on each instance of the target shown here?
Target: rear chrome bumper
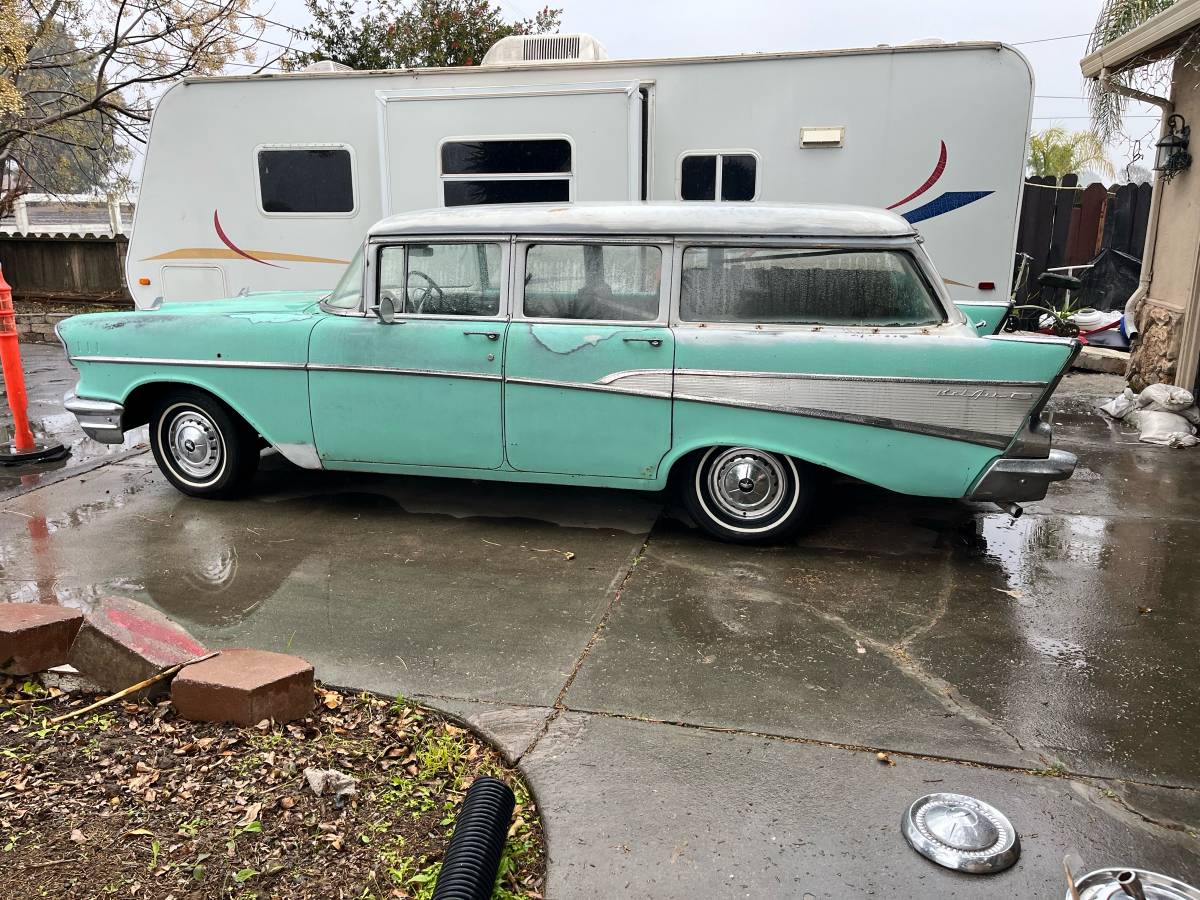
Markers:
(1013, 479)
(99, 419)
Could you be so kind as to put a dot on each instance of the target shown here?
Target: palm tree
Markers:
(1117, 17)
(1056, 152)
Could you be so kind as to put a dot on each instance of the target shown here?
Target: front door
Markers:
(588, 360)
(426, 389)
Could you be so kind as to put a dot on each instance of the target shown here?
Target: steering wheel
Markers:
(421, 295)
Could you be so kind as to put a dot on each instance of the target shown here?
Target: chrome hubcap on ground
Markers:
(194, 444)
(747, 484)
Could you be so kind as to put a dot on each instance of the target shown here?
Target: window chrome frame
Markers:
(716, 198)
(375, 247)
(312, 145)
(568, 176)
(952, 316)
(522, 243)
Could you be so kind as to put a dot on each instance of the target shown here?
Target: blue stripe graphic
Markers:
(947, 202)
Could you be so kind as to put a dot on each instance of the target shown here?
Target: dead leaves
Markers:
(180, 808)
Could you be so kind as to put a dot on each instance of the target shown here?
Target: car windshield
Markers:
(348, 293)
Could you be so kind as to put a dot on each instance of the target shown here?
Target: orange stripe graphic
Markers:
(222, 253)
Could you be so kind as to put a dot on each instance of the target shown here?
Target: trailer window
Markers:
(309, 180)
(525, 170)
(594, 282)
(723, 176)
(785, 285)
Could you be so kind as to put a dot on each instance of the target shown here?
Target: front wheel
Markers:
(201, 446)
(748, 496)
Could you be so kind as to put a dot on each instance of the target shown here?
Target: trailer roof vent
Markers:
(518, 49)
(325, 65)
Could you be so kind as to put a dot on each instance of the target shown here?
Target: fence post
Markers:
(21, 214)
(115, 225)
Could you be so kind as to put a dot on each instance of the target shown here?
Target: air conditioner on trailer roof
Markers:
(520, 49)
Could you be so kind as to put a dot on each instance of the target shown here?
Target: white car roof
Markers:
(685, 218)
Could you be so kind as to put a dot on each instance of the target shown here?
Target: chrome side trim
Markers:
(212, 363)
(817, 376)
(956, 434)
(1008, 479)
(597, 386)
(99, 419)
(389, 370)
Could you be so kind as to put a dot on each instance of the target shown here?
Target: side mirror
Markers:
(386, 311)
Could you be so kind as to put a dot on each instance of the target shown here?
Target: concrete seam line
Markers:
(1064, 774)
(59, 476)
(613, 600)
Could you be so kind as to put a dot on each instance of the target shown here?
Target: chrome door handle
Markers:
(653, 342)
(490, 335)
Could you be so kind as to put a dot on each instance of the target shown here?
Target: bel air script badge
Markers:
(980, 394)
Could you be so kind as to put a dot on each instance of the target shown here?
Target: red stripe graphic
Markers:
(929, 182)
(240, 252)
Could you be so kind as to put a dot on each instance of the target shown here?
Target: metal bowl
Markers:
(1104, 884)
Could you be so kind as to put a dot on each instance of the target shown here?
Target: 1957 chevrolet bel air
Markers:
(741, 350)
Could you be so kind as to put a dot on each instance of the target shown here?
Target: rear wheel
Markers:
(201, 446)
(748, 496)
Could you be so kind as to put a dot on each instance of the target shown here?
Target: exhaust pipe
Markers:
(1131, 884)
(1013, 509)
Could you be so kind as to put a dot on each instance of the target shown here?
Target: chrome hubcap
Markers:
(194, 444)
(746, 483)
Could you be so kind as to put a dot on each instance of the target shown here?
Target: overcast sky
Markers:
(647, 28)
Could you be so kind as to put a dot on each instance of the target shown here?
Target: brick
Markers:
(123, 642)
(244, 687)
(35, 636)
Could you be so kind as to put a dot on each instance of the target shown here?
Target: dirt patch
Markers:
(133, 801)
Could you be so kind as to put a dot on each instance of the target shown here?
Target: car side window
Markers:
(793, 285)
(452, 279)
(594, 282)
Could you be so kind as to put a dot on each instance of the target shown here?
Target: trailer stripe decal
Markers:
(235, 248)
(929, 182)
(947, 202)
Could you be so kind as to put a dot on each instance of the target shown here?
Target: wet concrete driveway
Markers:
(701, 720)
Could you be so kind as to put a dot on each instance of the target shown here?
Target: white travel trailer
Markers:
(269, 182)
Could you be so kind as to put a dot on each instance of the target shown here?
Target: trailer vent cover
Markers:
(325, 65)
(544, 48)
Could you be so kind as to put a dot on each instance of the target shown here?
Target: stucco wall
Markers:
(1165, 316)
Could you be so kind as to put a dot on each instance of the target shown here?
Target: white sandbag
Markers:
(1119, 406)
(1165, 398)
(1166, 428)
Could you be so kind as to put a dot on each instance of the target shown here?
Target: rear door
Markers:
(535, 143)
(588, 363)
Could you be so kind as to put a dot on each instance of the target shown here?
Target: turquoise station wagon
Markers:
(739, 352)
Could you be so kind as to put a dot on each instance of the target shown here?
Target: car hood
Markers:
(289, 302)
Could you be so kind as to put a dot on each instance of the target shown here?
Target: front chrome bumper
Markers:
(1009, 479)
(99, 419)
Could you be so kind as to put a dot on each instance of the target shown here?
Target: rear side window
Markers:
(597, 282)
(306, 180)
(787, 285)
(517, 170)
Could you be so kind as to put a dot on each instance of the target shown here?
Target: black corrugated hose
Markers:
(473, 857)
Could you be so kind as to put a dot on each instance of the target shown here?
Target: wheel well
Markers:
(145, 397)
(681, 462)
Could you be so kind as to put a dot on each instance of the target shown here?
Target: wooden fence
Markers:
(1065, 225)
(65, 266)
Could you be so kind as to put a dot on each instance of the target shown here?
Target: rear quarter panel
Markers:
(945, 376)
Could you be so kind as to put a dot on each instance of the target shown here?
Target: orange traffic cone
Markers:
(23, 447)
